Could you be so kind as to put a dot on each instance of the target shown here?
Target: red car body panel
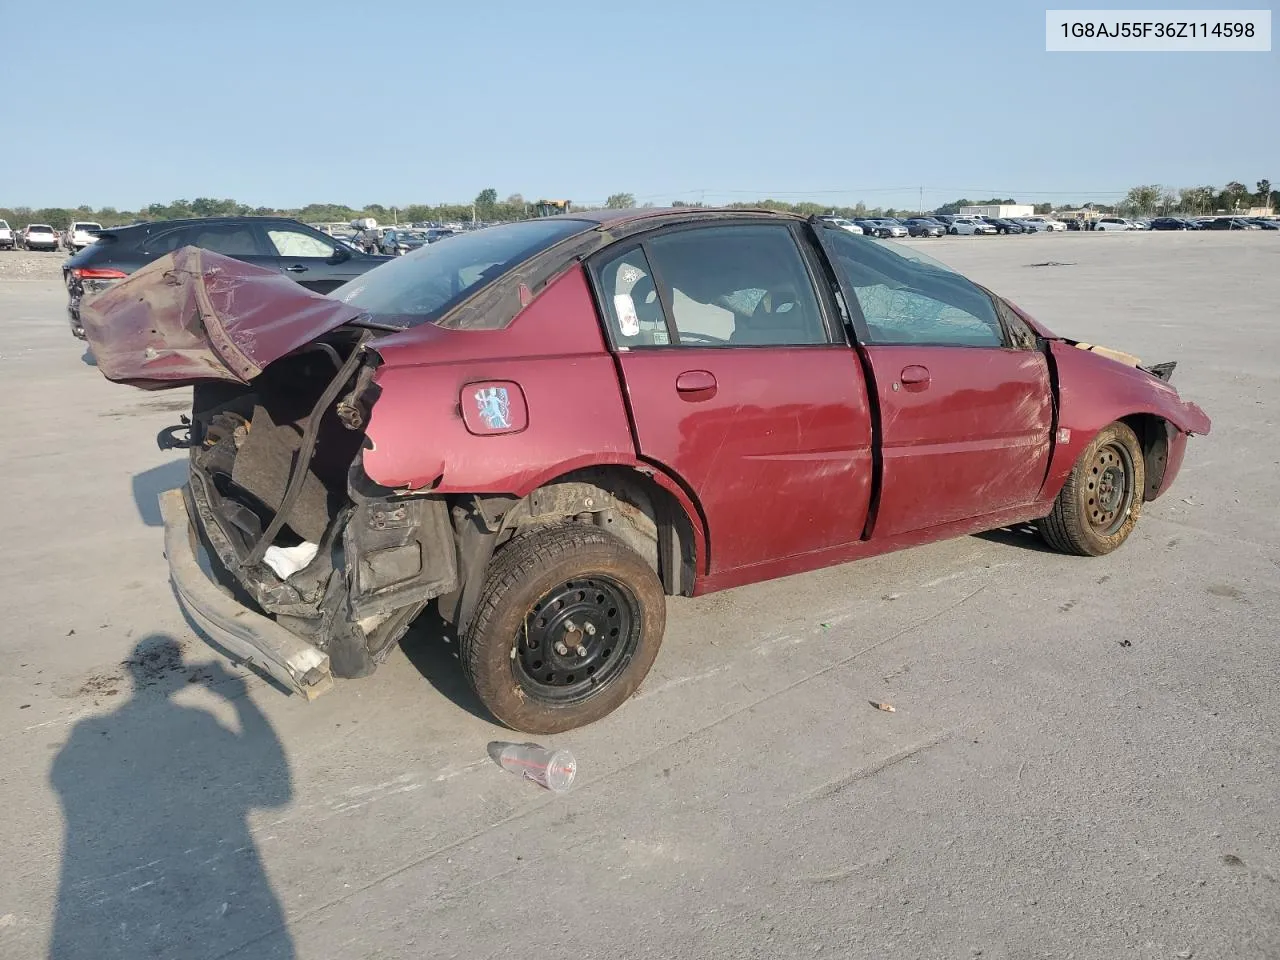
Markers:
(1094, 391)
(553, 350)
(964, 431)
(195, 315)
(775, 440)
(803, 563)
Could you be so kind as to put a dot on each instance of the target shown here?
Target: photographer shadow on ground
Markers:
(158, 859)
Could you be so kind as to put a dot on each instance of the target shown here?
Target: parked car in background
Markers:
(924, 227)
(300, 252)
(1265, 223)
(39, 236)
(1139, 223)
(81, 233)
(1047, 224)
(884, 229)
(491, 440)
(1004, 226)
(1169, 223)
(396, 242)
(436, 234)
(969, 226)
(1107, 224)
(1229, 223)
(846, 225)
(7, 240)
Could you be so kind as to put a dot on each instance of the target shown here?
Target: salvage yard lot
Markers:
(1082, 762)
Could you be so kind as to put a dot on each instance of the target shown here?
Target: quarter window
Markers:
(167, 242)
(631, 301)
(913, 298)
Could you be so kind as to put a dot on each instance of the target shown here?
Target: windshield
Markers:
(86, 227)
(420, 287)
(39, 228)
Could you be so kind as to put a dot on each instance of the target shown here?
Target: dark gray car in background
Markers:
(315, 260)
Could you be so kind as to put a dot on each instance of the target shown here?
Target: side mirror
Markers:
(340, 254)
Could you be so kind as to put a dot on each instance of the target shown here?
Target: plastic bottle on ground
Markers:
(553, 769)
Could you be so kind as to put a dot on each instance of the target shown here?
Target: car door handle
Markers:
(915, 374)
(297, 268)
(696, 385)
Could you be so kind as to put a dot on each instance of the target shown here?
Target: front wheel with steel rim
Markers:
(1099, 505)
(569, 622)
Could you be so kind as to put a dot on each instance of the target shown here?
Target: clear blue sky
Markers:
(401, 101)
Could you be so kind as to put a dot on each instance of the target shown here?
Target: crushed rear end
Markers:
(311, 569)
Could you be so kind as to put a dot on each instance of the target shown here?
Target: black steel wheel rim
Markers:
(1109, 488)
(576, 639)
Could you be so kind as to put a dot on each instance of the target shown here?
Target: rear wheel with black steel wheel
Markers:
(1099, 505)
(568, 624)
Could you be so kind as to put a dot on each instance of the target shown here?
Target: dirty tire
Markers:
(526, 572)
(1080, 522)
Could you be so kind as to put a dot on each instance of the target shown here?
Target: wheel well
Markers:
(627, 502)
(1153, 433)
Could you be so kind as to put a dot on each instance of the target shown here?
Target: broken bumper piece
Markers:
(255, 638)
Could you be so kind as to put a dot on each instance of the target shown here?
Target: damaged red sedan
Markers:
(545, 427)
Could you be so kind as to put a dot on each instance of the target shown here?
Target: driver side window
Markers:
(906, 297)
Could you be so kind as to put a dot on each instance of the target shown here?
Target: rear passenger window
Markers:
(230, 241)
(912, 298)
(733, 285)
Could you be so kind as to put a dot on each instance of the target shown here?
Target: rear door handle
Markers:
(914, 373)
(696, 385)
(297, 268)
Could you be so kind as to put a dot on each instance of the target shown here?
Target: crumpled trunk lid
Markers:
(195, 315)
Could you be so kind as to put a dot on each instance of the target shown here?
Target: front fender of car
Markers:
(1094, 391)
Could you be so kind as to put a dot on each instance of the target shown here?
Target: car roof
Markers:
(653, 216)
(184, 221)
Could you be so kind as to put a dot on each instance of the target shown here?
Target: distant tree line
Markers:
(1153, 198)
(1145, 200)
